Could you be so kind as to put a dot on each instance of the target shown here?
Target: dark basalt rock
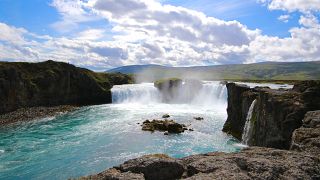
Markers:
(163, 125)
(157, 166)
(307, 138)
(166, 116)
(276, 115)
(198, 118)
(114, 174)
(251, 163)
(240, 98)
(53, 83)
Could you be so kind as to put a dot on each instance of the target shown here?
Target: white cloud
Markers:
(145, 31)
(91, 34)
(72, 13)
(284, 18)
(154, 19)
(305, 6)
(309, 21)
(11, 34)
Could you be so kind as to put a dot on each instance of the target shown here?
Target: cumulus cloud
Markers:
(284, 18)
(154, 19)
(91, 34)
(146, 31)
(309, 21)
(305, 6)
(302, 45)
(11, 34)
(72, 13)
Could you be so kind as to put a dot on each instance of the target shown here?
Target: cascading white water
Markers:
(247, 131)
(211, 93)
(135, 93)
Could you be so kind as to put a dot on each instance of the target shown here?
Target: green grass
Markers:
(255, 72)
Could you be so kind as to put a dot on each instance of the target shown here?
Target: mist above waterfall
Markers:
(155, 73)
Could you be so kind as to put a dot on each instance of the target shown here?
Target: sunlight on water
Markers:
(94, 138)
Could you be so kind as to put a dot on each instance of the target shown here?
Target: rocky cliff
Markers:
(53, 83)
(276, 114)
(307, 138)
(240, 98)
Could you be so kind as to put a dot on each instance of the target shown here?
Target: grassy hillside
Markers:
(258, 71)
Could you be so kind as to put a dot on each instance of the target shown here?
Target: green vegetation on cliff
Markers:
(167, 82)
(53, 83)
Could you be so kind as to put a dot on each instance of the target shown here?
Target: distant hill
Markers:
(135, 68)
(257, 71)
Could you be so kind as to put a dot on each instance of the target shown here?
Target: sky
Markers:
(102, 34)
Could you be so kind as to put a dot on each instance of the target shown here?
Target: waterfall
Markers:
(135, 93)
(247, 131)
(211, 93)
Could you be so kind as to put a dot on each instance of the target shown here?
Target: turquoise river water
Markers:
(94, 138)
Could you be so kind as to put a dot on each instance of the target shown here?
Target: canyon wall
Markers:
(307, 137)
(276, 115)
(240, 98)
(53, 83)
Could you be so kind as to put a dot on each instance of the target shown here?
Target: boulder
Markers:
(198, 118)
(166, 116)
(163, 125)
(307, 138)
(154, 167)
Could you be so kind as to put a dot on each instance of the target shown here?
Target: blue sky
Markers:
(109, 33)
(37, 15)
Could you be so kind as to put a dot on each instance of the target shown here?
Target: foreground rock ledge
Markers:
(250, 163)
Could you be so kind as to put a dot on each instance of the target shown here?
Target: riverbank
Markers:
(29, 114)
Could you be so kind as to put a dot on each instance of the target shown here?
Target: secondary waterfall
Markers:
(211, 93)
(247, 131)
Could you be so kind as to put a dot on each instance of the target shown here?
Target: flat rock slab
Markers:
(250, 163)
